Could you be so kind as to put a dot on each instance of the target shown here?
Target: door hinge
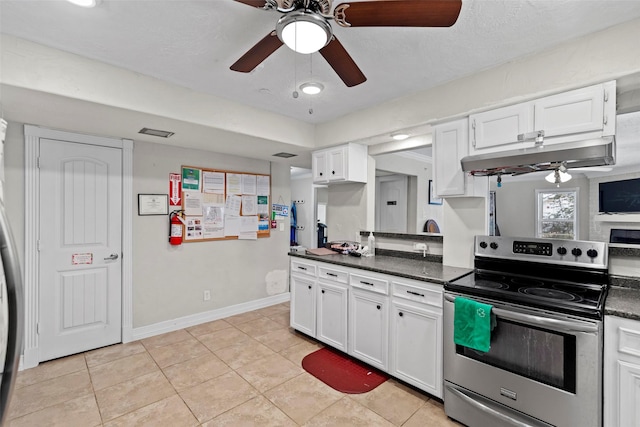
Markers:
(39, 245)
(37, 328)
(38, 162)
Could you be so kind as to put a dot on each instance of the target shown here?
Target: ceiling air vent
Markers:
(284, 155)
(156, 132)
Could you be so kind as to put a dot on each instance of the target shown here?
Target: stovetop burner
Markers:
(550, 293)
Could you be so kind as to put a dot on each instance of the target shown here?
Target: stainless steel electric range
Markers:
(544, 367)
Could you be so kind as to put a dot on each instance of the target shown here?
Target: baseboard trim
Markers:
(207, 316)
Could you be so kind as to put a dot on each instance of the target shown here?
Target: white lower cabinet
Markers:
(331, 327)
(621, 372)
(391, 323)
(416, 346)
(303, 304)
(368, 327)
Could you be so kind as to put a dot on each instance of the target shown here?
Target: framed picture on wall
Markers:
(433, 200)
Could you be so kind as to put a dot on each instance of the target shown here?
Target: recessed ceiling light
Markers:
(399, 136)
(85, 3)
(311, 88)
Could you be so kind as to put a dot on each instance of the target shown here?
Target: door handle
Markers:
(111, 257)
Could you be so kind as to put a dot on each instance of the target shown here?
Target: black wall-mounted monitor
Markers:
(620, 196)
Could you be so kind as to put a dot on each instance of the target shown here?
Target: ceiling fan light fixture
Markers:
(304, 32)
(557, 177)
(311, 88)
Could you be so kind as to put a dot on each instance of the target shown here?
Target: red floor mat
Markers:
(341, 372)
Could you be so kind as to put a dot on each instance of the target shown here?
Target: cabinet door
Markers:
(572, 112)
(449, 147)
(303, 304)
(331, 325)
(368, 327)
(319, 166)
(492, 130)
(337, 163)
(621, 372)
(416, 346)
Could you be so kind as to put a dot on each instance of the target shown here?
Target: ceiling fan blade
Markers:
(255, 3)
(342, 63)
(257, 53)
(398, 13)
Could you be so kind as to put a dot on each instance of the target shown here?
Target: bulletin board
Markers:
(224, 205)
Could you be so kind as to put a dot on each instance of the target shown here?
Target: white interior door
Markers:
(80, 247)
(392, 204)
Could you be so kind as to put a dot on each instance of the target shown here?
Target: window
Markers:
(557, 214)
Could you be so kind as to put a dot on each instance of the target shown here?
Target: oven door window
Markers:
(542, 355)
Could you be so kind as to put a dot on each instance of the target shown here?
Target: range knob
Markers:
(493, 245)
(592, 253)
(483, 245)
(562, 250)
(576, 251)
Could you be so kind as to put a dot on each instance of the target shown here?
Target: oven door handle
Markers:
(486, 409)
(556, 324)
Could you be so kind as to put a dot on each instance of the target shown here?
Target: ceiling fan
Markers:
(305, 27)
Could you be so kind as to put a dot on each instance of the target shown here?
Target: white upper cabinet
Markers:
(450, 144)
(501, 126)
(566, 117)
(345, 163)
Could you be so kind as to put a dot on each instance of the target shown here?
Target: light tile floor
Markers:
(244, 370)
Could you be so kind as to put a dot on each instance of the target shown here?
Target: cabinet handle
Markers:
(366, 283)
(320, 173)
(302, 268)
(323, 291)
(401, 314)
(332, 275)
(309, 286)
(415, 293)
(378, 306)
(333, 172)
(473, 126)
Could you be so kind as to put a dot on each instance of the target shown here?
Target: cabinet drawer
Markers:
(333, 275)
(303, 268)
(370, 283)
(414, 293)
(629, 341)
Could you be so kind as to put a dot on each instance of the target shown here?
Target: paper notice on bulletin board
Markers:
(213, 182)
(234, 183)
(193, 228)
(192, 203)
(262, 185)
(249, 205)
(191, 179)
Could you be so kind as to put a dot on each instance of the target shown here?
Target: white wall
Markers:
(168, 282)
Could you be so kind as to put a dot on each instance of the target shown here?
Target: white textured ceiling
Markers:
(193, 43)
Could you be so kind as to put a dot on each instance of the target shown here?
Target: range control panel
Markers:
(556, 251)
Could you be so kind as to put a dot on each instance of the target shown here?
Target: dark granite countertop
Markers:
(623, 299)
(623, 302)
(427, 271)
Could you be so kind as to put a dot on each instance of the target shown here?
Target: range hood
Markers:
(588, 153)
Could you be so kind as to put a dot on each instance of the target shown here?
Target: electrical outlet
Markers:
(420, 246)
(206, 296)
